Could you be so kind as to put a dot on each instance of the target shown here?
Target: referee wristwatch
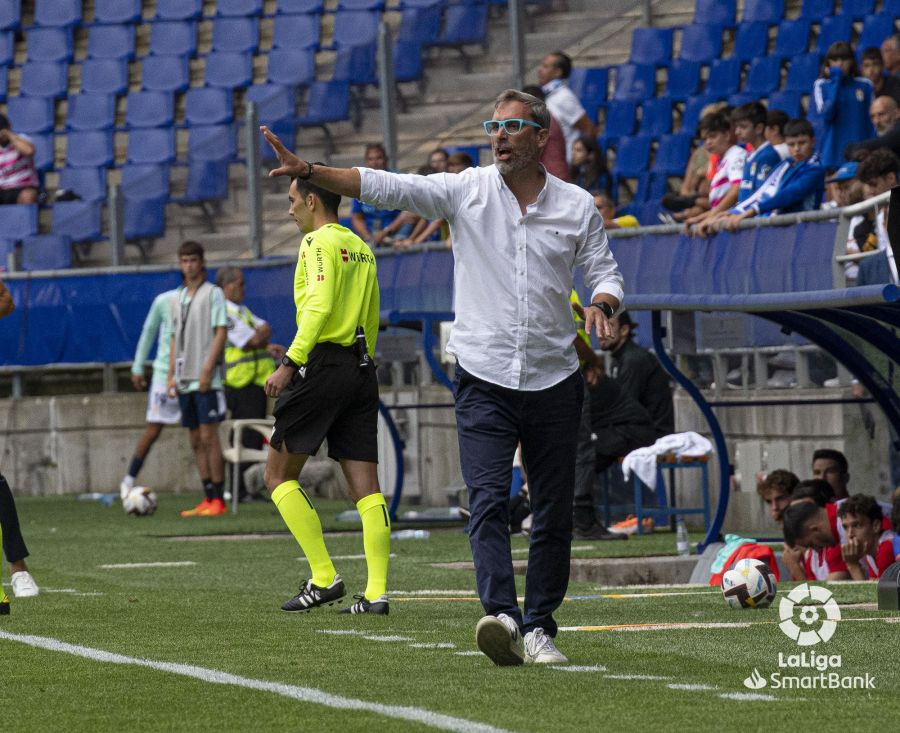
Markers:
(286, 361)
(605, 308)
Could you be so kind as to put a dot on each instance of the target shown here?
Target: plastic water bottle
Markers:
(682, 544)
(411, 534)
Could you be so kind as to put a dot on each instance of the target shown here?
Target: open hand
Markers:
(291, 165)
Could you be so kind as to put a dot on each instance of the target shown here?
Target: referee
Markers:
(326, 388)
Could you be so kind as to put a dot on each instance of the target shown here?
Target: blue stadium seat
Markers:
(3, 83)
(117, 12)
(407, 61)
(421, 24)
(739, 98)
(46, 252)
(724, 77)
(683, 79)
(701, 42)
(80, 221)
(10, 15)
(7, 48)
(88, 183)
(787, 102)
(656, 117)
(207, 180)
(44, 79)
(173, 38)
(356, 64)
(90, 148)
(145, 218)
(651, 186)
(299, 6)
(875, 29)
(815, 10)
(792, 38)
(49, 44)
(621, 121)
(751, 40)
(763, 76)
(634, 83)
(590, 85)
(291, 67)
(91, 112)
(57, 13)
(802, 72)
(464, 24)
(632, 157)
(148, 181)
(763, 11)
(857, 9)
(327, 101)
(690, 116)
(274, 102)
(296, 31)
(165, 73)
(208, 106)
(19, 220)
(834, 28)
(718, 12)
(111, 42)
(104, 76)
(673, 153)
(227, 70)
(355, 27)
(30, 114)
(149, 109)
(892, 7)
(44, 151)
(151, 145)
(361, 5)
(239, 8)
(7, 254)
(212, 142)
(651, 46)
(235, 34)
(179, 9)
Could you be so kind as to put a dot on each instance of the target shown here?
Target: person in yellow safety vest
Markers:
(249, 359)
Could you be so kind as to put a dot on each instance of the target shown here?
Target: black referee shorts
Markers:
(333, 398)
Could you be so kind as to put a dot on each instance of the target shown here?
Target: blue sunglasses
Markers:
(512, 126)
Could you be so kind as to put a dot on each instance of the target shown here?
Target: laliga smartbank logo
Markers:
(809, 616)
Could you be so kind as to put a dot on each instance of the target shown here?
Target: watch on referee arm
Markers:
(605, 308)
(288, 362)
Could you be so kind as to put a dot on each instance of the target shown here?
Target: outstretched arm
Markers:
(343, 181)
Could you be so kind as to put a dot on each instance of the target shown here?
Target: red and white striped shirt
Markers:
(16, 170)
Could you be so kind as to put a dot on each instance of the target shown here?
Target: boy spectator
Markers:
(796, 184)
(719, 140)
(18, 178)
(775, 491)
(878, 174)
(869, 549)
(367, 221)
(846, 190)
(872, 68)
(831, 465)
(552, 74)
(749, 122)
(437, 160)
(607, 208)
(774, 132)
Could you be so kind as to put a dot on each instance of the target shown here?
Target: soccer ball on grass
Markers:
(139, 502)
(749, 584)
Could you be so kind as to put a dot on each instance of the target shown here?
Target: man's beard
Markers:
(518, 160)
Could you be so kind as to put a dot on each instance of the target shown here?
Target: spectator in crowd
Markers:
(816, 528)
(872, 68)
(878, 173)
(553, 157)
(890, 54)
(199, 333)
(775, 490)
(841, 100)
(749, 122)
(774, 132)
(607, 208)
(18, 177)
(724, 188)
(437, 160)
(519, 383)
(14, 548)
(249, 360)
(831, 465)
(796, 184)
(552, 74)
(458, 162)
(589, 170)
(847, 190)
(370, 223)
(885, 116)
(869, 549)
(162, 409)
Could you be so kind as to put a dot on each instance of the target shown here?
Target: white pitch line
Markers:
(578, 668)
(747, 696)
(690, 687)
(468, 654)
(635, 677)
(303, 694)
(130, 565)
(388, 637)
(433, 645)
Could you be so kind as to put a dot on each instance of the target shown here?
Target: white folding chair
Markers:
(236, 453)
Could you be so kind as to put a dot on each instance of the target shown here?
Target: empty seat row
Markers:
(724, 12)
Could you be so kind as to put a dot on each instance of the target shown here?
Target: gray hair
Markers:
(536, 107)
(227, 275)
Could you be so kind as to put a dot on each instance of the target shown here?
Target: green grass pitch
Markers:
(677, 668)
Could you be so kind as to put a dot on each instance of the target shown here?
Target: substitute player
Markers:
(326, 388)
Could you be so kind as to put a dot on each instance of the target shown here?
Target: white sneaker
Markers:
(540, 649)
(126, 486)
(23, 585)
(499, 638)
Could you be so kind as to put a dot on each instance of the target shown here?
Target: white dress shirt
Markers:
(512, 272)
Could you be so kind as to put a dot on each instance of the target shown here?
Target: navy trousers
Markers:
(13, 544)
(491, 421)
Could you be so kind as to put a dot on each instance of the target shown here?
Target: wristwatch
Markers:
(605, 308)
(286, 361)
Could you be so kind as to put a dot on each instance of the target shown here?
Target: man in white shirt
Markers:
(562, 102)
(517, 236)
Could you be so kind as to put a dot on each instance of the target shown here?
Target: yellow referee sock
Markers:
(376, 542)
(301, 519)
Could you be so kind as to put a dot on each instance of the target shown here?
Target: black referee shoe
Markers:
(378, 606)
(312, 596)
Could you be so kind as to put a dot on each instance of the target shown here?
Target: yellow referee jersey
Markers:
(335, 290)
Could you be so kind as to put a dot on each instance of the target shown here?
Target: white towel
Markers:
(643, 460)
